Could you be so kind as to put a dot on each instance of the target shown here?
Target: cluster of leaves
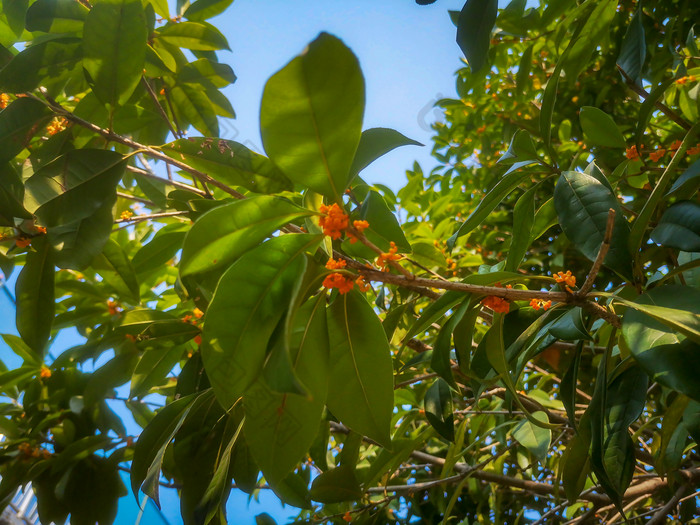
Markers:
(474, 380)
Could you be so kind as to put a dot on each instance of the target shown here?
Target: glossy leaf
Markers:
(521, 148)
(311, 116)
(476, 20)
(197, 36)
(115, 268)
(205, 9)
(225, 233)
(383, 225)
(600, 129)
(679, 227)
(582, 203)
(230, 162)
(159, 250)
(336, 485)
(11, 196)
(245, 310)
(523, 222)
(534, 438)
(35, 297)
(361, 379)
(19, 122)
(655, 342)
(281, 427)
(376, 142)
(439, 408)
(114, 48)
(56, 16)
(634, 48)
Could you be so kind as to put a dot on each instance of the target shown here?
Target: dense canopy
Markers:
(512, 337)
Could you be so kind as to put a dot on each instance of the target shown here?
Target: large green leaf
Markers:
(116, 270)
(311, 116)
(35, 297)
(159, 250)
(193, 106)
(534, 438)
(523, 222)
(476, 21)
(152, 369)
(220, 75)
(280, 428)
(155, 326)
(361, 377)
(77, 243)
(595, 28)
(19, 122)
(225, 233)
(376, 142)
(15, 12)
(634, 48)
(600, 128)
(230, 162)
(197, 36)
(74, 186)
(652, 333)
(114, 48)
(203, 9)
(383, 225)
(249, 301)
(679, 227)
(439, 408)
(582, 203)
(56, 16)
(11, 196)
(150, 448)
(336, 485)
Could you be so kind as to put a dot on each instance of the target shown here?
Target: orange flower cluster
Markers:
(676, 144)
(360, 226)
(694, 150)
(347, 517)
(655, 156)
(198, 339)
(113, 307)
(57, 125)
(45, 372)
(632, 153)
(566, 278)
(332, 264)
(339, 281)
(198, 313)
(29, 451)
(683, 80)
(385, 258)
(497, 304)
(22, 241)
(541, 303)
(40, 230)
(333, 221)
(126, 215)
(4, 100)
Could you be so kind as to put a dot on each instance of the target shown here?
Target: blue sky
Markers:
(408, 55)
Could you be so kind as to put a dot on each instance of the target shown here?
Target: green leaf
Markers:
(633, 51)
(149, 325)
(159, 250)
(114, 48)
(523, 222)
(336, 485)
(376, 142)
(383, 225)
(575, 465)
(220, 75)
(18, 124)
(534, 438)
(311, 116)
(229, 162)
(679, 227)
(600, 128)
(56, 16)
(439, 409)
(204, 9)
(570, 326)
(35, 297)
(74, 186)
(280, 428)
(115, 268)
(197, 36)
(77, 243)
(582, 203)
(15, 12)
(688, 183)
(249, 301)
(476, 20)
(595, 29)
(652, 329)
(11, 196)
(152, 369)
(361, 392)
(193, 106)
(150, 448)
(223, 234)
(22, 350)
(521, 149)
(492, 199)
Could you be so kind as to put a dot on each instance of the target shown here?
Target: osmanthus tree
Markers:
(521, 346)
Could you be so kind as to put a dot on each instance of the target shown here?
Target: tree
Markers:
(521, 346)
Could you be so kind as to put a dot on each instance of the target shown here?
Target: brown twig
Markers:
(139, 218)
(660, 516)
(639, 90)
(159, 107)
(137, 199)
(176, 184)
(602, 252)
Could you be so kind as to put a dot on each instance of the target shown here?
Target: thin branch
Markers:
(159, 107)
(660, 516)
(602, 252)
(139, 218)
(181, 185)
(639, 90)
(137, 199)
